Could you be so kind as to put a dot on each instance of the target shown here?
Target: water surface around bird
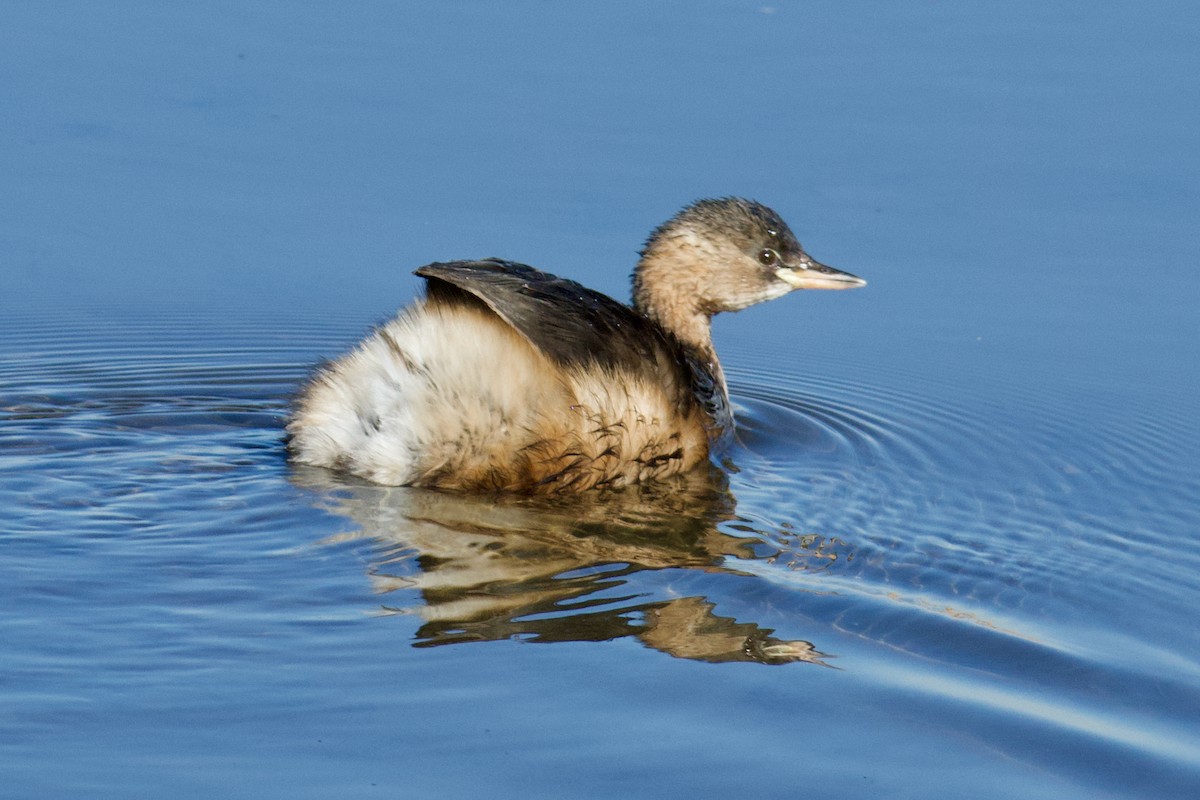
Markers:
(910, 556)
(953, 550)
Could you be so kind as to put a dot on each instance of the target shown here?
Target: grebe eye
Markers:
(767, 257)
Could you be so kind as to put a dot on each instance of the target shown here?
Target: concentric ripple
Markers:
(956, 489)
(989, 485)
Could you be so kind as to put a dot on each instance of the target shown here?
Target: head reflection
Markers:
(563, 570)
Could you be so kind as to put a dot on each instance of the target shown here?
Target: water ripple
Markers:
(947, 537)
(971, 494)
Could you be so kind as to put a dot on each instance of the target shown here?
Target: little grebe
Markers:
(504, 378)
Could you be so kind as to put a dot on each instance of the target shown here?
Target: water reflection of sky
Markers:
(969, 488)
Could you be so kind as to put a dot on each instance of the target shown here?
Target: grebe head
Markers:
(723, 255)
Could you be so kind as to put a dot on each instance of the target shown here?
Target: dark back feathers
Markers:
(568, 322)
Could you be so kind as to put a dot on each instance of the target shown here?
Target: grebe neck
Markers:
(665, 297)
(670, 290)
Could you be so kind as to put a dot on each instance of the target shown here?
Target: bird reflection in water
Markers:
(557, 570)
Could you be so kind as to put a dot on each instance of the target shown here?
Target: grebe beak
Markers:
(811, 274)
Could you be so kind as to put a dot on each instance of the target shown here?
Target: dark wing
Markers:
(570, 323)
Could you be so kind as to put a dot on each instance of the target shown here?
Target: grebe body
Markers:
(505, 378)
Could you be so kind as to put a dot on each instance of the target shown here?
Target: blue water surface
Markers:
(953, 552)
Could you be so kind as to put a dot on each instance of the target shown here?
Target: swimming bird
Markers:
(503, 378)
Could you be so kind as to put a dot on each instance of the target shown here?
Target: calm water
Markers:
(954, 552)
